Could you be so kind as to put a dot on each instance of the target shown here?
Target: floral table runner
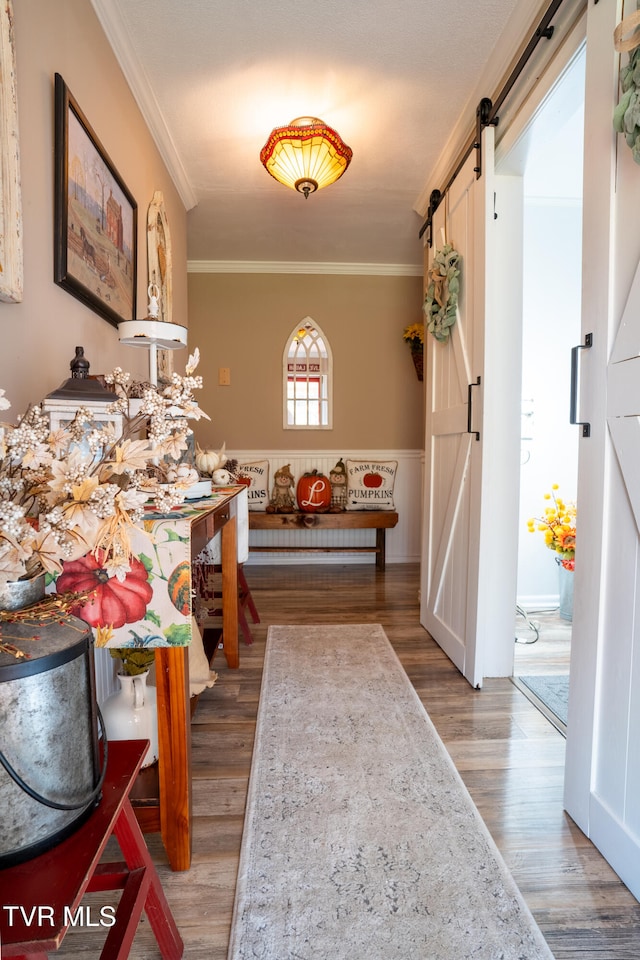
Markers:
(151, 606)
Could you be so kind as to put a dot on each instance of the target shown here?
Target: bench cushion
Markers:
(370, 484)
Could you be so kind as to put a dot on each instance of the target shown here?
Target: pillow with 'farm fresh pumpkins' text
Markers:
(370, 484)
(255, 476)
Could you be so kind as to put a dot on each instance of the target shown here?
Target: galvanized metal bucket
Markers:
(50, 773)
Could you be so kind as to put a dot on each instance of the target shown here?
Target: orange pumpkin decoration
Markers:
(313, 492)
(113, 602)
(179, 588)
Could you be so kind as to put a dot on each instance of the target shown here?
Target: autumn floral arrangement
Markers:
(414, 336)
(80, 490)
(559, 527)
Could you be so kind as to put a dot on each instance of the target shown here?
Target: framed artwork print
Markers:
(95, 217)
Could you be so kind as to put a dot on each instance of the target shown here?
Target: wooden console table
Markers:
(42, 897)
(162, 798)
(379, 520)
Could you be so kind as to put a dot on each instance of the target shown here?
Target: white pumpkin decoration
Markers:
(222, 478)
(209, 460)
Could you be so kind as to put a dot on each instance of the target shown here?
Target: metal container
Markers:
(48, 735)
(17, 594)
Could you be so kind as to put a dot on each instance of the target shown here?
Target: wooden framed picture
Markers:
(95, 216)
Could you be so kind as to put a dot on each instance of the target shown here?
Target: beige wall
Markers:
(242, 321)
(238, 321)
(39, 335)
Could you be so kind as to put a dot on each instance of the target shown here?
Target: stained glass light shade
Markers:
(306, 155)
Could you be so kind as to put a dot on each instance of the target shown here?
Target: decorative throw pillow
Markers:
(255, 476)
(370, 484)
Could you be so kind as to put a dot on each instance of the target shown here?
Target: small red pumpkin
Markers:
(114, 602)
(313, 492)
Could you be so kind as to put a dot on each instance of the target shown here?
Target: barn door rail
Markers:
(488, 109)
(573, 406)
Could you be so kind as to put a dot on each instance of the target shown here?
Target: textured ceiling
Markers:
(391, 76)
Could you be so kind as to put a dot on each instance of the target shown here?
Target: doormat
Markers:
(553, 691)
(360, 838)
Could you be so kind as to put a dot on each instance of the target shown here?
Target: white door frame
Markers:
(601, 768)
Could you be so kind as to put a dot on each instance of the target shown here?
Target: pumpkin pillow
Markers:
(370, 484)
(255, 476)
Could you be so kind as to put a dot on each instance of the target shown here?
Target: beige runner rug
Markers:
(361, 840)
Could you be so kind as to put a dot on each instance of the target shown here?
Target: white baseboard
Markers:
(539, 602)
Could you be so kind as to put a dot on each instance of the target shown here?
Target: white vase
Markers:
(131, 714)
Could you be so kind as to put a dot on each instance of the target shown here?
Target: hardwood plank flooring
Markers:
(509, 755)
(550, 653)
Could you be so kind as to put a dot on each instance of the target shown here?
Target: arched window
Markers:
(307, 373)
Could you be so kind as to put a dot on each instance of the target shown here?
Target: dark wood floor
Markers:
(509, 755)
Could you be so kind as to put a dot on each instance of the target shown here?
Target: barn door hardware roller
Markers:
(484, 118)
(434, 202)
(573, 417)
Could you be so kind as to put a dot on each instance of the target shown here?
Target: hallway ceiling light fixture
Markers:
(306, 155)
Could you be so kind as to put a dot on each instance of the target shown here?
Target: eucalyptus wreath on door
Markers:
(441, 302)
(626, 117)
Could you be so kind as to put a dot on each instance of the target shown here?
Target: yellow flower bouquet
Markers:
(414, 335)
(559, 527)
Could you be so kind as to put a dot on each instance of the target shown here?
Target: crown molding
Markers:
(280, 266)
(112, 22)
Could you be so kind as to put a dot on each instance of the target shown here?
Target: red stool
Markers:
(209, 592)
(49, 888)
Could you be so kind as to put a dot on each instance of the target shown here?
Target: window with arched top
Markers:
(307, 373)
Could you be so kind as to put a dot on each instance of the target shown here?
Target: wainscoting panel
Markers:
(106, 669)
(402, 542)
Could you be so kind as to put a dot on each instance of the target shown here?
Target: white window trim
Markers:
(285, 379)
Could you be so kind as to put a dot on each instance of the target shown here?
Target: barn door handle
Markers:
(470, 407)
(573, 416)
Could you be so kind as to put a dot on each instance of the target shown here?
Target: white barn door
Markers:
(453, 375)
(602, 771)
(473, 428)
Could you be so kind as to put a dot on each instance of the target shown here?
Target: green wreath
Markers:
(441, 302)
(626, 118)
